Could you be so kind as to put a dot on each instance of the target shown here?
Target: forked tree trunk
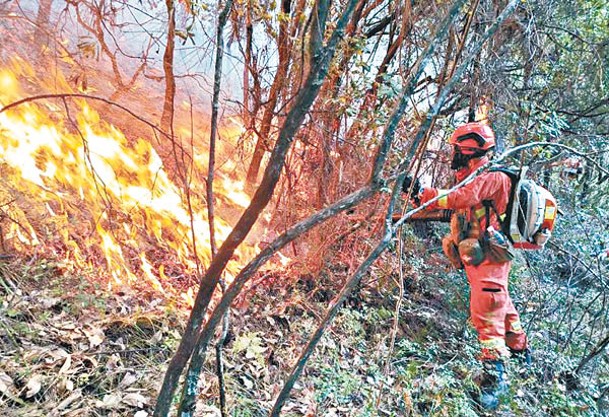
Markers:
(209, 281)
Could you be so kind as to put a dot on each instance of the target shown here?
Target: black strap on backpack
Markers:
(488, 205)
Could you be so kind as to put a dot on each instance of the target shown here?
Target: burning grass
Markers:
(78, 188)
(97, 260)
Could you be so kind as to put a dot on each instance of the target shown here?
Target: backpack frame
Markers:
(530, 213)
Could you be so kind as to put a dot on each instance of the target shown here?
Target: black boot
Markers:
(494, 384)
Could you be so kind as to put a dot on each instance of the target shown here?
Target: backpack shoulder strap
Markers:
(512, 172)
(488, 205)
(514, 175)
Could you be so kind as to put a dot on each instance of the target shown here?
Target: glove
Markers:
(408, 184)
(427, 194)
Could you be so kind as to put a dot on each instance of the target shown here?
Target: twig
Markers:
(87, 153)
(119, 351)
(598, 349)
(598, 276)
(603, 393)
(5, 284)
(25, 230)
(8, 203)
(188, 403)
(396, 318)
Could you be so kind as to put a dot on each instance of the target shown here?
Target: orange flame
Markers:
(482, 111)
(110, 197)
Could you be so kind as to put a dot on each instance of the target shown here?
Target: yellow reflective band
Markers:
(482, 211)
(443, 201)
(497, 343)
(516, 326)
(550, 213)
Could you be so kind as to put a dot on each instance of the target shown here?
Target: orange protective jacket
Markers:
(492, 311)
(493, 186)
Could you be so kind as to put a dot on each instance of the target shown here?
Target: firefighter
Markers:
(492, 312)
(572, 168)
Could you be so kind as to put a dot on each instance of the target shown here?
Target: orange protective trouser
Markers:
(492, 311)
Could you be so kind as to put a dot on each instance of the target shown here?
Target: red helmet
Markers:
(473, 138)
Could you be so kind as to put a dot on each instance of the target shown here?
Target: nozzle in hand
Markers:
(415, 185)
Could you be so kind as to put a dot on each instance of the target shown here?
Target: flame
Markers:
(102, 197)
(482, 111)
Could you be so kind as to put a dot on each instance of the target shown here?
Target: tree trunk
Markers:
(209, 281)
(262, 144)
(187, 404)
(214, 122)
(248, 119)
(170, 82)
(43, 19)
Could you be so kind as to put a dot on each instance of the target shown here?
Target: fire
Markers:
(482, 111)
(100, 197)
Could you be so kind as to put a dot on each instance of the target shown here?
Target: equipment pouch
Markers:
(451, 252)
(498, 248)
(471, 252)
(459, 228)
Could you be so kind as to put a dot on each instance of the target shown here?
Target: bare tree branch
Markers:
(294, 119)
(386, 239)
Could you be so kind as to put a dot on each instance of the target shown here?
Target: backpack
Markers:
(531, 211)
